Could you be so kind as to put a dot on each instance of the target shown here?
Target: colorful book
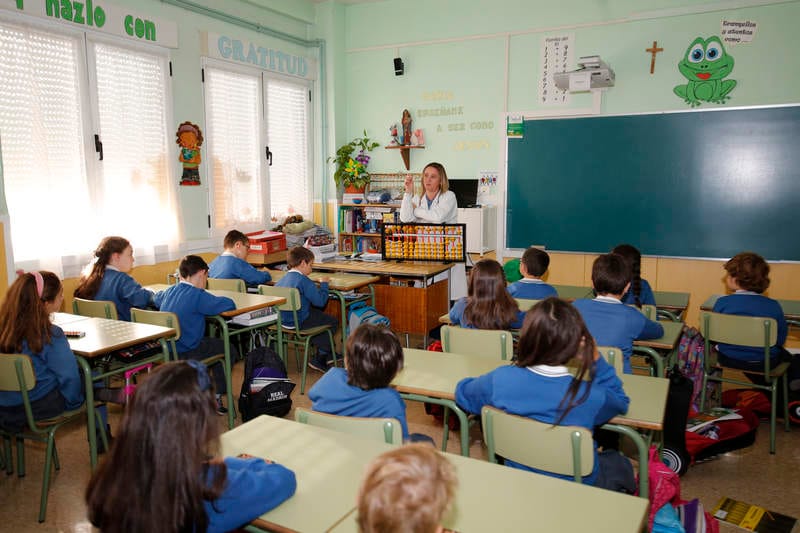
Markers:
(752, 517)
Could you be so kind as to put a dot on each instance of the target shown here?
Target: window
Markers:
(61, 197)
(258, 141)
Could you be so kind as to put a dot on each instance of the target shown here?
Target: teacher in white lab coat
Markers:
(435, 205)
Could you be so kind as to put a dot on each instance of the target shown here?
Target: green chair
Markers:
(386, 430)
(754, 332)
(219, 284)
(537, 444)
(94, 308)
(17, 375)
(170, 320)
(485, 342)
(614, 357)
(525, 304)
(293, 334)
(671, 299)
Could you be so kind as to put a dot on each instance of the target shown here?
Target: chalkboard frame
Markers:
(683, 184)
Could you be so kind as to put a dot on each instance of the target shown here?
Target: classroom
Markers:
(272, 88)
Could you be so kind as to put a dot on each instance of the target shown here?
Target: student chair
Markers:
(293, 334)
(386, 430)
(219, 284)
(677, 299)
(525, 304)
(484, 342)
(163, 319)
(755, 332)
(17, 375)
(537, 444)
(95, 308)
(614, 357)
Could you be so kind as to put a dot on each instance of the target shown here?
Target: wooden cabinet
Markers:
(360, 226)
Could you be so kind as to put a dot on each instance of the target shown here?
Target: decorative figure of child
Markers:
(189, 138)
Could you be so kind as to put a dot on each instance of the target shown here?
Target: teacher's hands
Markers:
(409, 183)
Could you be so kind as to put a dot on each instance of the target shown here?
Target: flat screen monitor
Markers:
(466, 192)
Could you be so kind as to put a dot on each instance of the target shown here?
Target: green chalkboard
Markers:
(692, 184)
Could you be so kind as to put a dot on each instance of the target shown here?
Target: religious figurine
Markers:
(189, 138)
(393, 134)
(406, 127)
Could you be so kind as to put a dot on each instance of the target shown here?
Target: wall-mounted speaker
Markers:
(399, 68)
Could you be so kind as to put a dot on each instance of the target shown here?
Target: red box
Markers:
(266, 242)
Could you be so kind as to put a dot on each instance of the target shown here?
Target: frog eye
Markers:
(696, 53)
(713, 52)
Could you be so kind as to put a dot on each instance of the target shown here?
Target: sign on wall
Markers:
(100, 16)
(247, 52)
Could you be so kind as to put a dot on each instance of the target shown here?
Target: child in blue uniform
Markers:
(108, 279)
(374, 357)
(538, 385)
(532, 266)
(232, 264)
(25, 328)
(162, 473)
(487, 304)
(640, 292)
(191, 303)
(312, 299)
(747, 275)
(611, 322)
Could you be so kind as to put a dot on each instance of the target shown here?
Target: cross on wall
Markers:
(653, 51)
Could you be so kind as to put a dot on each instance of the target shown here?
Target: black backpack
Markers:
(266, 389)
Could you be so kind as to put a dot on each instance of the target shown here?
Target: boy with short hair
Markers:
(232, 264)
(312, 299)
(361, 388)
(532, 266)
(611, 322)
(191, 303)
(409, 488)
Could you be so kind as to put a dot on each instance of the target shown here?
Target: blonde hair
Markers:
(406, 490)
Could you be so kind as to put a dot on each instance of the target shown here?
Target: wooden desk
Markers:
(791, 308)
(672, 304)
(104, 336)
(433, 376)
(667, 343)
(411, 309)
(573, 292)
(328, 466)
(493, 497)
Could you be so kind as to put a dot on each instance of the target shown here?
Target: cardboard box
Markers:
(266, 242)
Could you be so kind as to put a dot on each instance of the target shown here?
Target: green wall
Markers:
(468, 68)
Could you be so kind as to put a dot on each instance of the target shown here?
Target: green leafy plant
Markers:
(352, 171)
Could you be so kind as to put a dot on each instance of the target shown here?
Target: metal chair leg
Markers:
(48, 458)
(20, 457)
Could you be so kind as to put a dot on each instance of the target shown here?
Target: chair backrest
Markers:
(159, 318)
(537, 444)
(486, 342)
(9, 378)
(291, 294)
(525, 304)
(94, 308)
(649, 311)
(386, 430)
(219, 284)
(751, 331)
(614, 357)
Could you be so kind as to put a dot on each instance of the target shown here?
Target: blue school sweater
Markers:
(536, 392)
(228, 266)
(55, 367)
(531, 289)
(457, 316)
(252, 487)
(309, 295)
(192, 306)
(332, 394)
(645, 298)
(747, 303)
(124, 291)
(613, 323)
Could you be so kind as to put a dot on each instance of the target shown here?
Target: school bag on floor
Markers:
(361, 313)
(723, 436)
(266, 388)
(690, 361)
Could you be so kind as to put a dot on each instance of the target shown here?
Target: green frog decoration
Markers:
(705, 64)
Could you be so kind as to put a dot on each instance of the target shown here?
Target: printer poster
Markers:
(557, 55)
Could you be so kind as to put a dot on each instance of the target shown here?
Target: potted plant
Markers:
(351, 172)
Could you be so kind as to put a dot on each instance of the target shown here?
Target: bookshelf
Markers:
(360, 226)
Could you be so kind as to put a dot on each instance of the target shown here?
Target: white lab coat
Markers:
(443, 210)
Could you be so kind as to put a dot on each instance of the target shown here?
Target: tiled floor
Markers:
(751, 474)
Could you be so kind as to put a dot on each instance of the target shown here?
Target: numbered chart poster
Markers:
(556, 55)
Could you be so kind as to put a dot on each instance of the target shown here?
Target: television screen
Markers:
(466, 192)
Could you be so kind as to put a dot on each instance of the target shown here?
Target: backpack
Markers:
(266, 388)
(361, 313)
(691, 361)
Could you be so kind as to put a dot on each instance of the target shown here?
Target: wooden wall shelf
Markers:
(404, 151)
